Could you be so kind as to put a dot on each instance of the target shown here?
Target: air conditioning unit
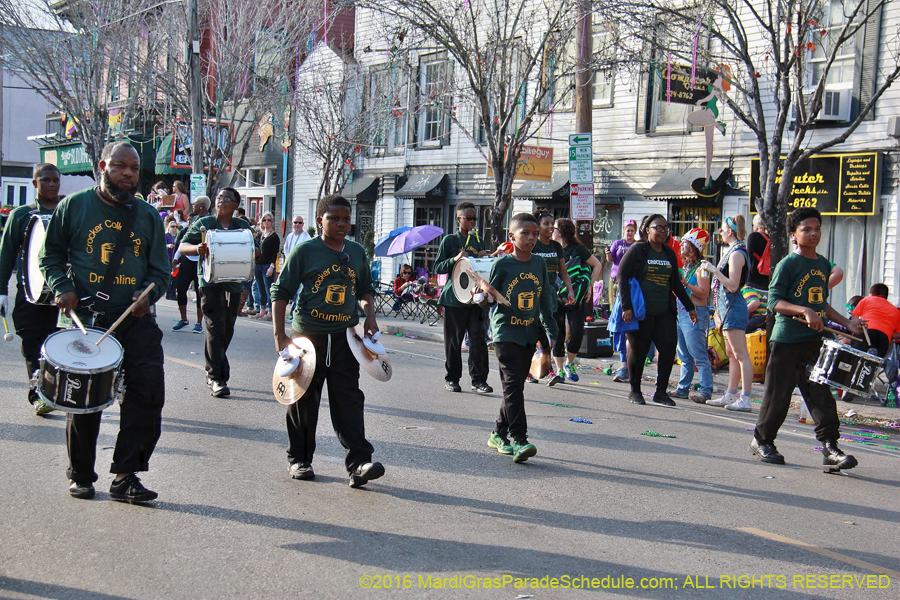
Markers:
(835, 105)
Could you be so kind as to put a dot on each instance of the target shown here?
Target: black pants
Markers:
(457, 321)
(515, 360)
(140, 416)
(187, 274)
(335, 365)
(786, 368)
(220, 311)
(661, 330)
(575, 316)
(880, 341)
(33, 323)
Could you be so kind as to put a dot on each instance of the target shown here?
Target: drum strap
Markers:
(101, 296)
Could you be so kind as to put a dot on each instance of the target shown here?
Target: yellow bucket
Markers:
(756, 345)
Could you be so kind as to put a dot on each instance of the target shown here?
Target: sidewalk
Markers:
(867, 411)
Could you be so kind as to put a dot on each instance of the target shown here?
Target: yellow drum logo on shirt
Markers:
(526, 301)
(335, 294)
(106, 251)
(816, 295)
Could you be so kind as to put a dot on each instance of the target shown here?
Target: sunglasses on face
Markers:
(298, 222)
(407, 272)
(469, 218)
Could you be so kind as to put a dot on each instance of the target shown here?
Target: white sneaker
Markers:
(740, 405)
(725, 400)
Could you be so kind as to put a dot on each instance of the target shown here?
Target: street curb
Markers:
(435, 336)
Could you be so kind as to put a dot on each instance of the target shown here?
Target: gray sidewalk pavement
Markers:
(867, 411)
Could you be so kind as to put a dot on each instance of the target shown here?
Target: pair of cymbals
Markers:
(370, 353)
(294, 371)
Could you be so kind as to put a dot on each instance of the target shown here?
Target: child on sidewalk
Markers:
(522, 279)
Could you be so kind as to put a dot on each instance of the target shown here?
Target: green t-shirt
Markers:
(552, 253)
(803, 282)
(656, 284)
(526, 286)
(194, 236)
(11, 244)
(328, 299)
(81, 237)
(450, 247)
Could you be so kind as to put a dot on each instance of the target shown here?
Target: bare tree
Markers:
(86, 57)
(506, 56)
(783, 53)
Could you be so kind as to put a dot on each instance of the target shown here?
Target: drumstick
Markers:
(8, 337)
(484, 285)
(77, 321)
(830, 330)
(126, 313)
(866, 333)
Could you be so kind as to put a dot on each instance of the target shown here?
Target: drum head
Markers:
(35, 234)
(76, 352)
(463, 283)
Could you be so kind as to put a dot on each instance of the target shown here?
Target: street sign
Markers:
(198, 186)
(580, 139)
(582, 200)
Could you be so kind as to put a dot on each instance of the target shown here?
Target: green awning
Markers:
(70, 159)
(164, 159)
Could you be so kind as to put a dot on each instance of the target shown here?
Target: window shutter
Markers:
(644, 102)
(867, 48)
(415, 110)
(448, 106)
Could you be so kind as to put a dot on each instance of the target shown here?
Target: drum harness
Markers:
(101, 296)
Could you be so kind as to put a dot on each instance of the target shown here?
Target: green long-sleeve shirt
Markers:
(194, 236)
(526, 285)
(11, 244)
(450, 247)
(83, 233)
(328, 298)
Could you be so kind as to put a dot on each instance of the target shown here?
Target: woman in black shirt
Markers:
(269, 244)
(655, 265)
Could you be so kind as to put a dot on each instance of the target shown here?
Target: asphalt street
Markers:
(600, 506)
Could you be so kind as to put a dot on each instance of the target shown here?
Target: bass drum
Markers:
(230, 257)
(36, 289)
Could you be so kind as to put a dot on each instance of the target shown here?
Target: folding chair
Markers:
(429, 308)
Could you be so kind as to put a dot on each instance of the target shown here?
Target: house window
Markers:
(433, 127)
(387, 101)
(424, 256)
(604, 53)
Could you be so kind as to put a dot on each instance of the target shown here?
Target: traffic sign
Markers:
(582, 201)
(580, 139)
(198, 186)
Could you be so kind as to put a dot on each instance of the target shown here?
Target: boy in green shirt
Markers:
(332, 275)
(522, 279)
(799, 287)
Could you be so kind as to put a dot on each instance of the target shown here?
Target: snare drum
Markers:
(76, 375)
(231, 256)
(36, 289)
(846, 368)
(463, 284)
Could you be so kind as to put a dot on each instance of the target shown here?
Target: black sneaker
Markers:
(766, 452)
(452, 386)
(554, 380)
(363, 474)
(530, 379)
(636, 398)
(482, 388)
(302, 471)
(663, 399)
(130, 489)
(83, 491)
(218, 389)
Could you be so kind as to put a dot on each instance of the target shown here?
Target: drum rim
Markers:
(78, 370)
(46, 294)
(76, 411)
(854, 351)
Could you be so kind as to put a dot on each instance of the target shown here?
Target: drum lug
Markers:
(35, 379)
(119, 387)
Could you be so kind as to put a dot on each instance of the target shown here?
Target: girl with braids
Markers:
(567, 236)
(731, 312)
(692, 337)
(655, 266)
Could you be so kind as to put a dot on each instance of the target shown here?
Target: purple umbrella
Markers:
(412, 239)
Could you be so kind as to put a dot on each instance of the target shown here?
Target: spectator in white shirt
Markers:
(296, 236)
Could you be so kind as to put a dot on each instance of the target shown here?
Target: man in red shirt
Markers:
(882, 318)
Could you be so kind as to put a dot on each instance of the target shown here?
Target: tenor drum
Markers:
(230, 258)
(463, 283)
(846, 368)
(36, 289)
(76, 375)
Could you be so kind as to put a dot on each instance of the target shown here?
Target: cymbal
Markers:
(376, 365)
(291, 387)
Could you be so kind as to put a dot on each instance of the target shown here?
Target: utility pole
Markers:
(584, 85)
(196, 91)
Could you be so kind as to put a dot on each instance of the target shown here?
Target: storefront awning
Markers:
(362, 189)
(426, 187)
(676, 183)
(555, 189)
(163, 164)
(70, 159)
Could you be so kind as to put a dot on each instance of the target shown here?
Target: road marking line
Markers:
(817, 550)
(186, 363)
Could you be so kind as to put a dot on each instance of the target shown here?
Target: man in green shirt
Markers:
(33, 322)
(333, 277)
(522, 279)
(220, 302)
(82, 240)
(460, 318)
(798, 287)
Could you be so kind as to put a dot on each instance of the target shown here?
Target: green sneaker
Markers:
(41, 408)
(522, 452)
(501, 444)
